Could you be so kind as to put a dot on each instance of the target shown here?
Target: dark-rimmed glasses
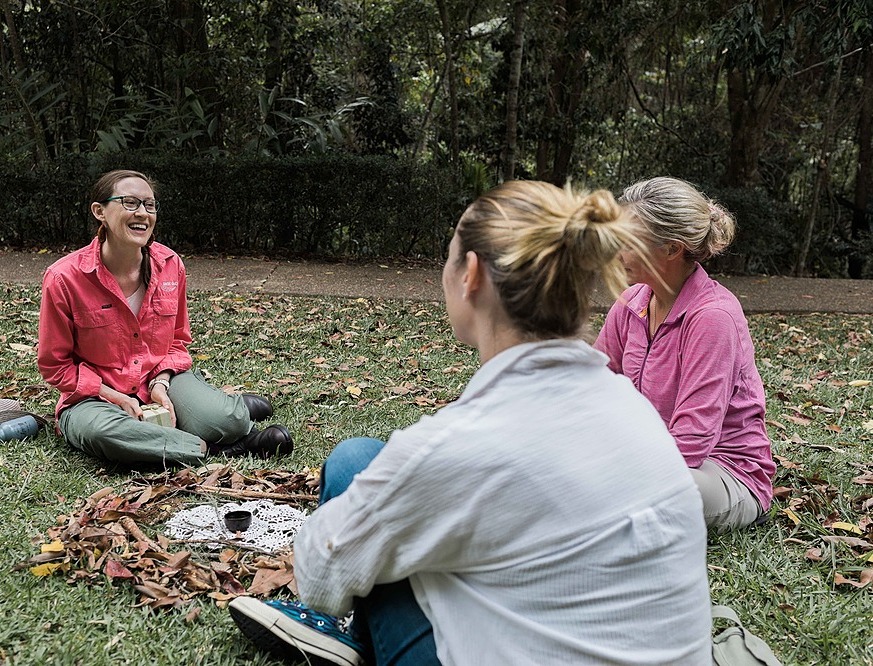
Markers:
(133, 203)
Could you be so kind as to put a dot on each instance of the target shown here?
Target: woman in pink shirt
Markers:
(113, 336)
(684, 342)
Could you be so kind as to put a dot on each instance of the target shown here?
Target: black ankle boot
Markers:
(274, 440)
(259, 407)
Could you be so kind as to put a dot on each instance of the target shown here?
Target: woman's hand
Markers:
(159, 395)
(127, 403)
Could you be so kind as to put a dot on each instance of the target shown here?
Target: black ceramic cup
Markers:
(237, 521)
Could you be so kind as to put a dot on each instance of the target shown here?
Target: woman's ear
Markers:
(97, 210)
(472, 274)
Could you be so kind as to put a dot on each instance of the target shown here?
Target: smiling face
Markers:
(124, 227)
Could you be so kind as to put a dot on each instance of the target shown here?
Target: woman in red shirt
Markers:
(113, 336)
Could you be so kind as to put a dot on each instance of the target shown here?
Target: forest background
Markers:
(361, 128)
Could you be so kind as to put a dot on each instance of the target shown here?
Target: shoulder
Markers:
(715, 303)
(633, 300)
(161, 251)
(166, 258)
(74, 262)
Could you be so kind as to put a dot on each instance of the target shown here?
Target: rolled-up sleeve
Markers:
(56, 342)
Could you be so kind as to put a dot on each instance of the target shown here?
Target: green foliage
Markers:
(764, 242)
(609, 93)
(330, 206)
(753, 36)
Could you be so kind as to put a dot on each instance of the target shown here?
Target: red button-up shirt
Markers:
(88, 334)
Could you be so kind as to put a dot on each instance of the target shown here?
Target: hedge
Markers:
(327, 206)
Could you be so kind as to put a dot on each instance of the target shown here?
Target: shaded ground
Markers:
(417, 281)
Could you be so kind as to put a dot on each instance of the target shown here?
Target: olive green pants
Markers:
(203, 412)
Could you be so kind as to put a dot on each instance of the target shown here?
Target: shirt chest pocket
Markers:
(98, 333)
(160, 328)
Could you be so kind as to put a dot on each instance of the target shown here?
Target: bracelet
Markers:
(163, 382)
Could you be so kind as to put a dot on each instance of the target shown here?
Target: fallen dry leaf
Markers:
(865, 578)
(814, 554)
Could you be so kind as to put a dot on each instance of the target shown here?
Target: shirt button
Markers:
(133, 388)
(136, 362)
(136, 335)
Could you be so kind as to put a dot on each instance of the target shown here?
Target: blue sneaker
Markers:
(291, 629)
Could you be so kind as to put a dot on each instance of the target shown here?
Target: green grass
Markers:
(337, 368)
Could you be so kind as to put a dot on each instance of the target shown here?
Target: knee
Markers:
(347, 459)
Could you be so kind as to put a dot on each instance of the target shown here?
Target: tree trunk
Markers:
(753, 91)
(566, 83)
(81, 102)
(36, 131)
(452, 80)
(421, 144)
(864, 173)
(509, 151)
(822, 171)
(750, 108)
(189, 25)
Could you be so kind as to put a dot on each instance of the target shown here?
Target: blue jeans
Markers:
(400, 633)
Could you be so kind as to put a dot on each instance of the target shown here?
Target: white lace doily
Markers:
(273, 527)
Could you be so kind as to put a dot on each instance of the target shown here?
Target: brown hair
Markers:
(544, 248)
(673, 210)
(103, 189)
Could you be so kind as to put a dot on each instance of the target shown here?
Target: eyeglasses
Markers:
(133, 203)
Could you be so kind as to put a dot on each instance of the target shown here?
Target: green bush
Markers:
(764, 243)
(324, 206)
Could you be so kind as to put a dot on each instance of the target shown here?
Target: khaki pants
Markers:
(203, 412)
(727, 502)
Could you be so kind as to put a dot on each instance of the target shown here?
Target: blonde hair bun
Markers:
(545, 247)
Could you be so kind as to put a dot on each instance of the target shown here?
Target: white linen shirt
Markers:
(545, 517)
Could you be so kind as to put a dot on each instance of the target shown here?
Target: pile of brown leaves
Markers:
(103, 540)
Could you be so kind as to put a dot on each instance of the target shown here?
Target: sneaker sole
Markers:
(268, 628)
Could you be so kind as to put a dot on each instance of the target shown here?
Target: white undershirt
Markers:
(135, 299)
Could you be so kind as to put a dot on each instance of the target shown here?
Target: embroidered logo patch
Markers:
(169, 285)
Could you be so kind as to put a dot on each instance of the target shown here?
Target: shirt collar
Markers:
(638, 302)
(91, 260)
(529, 357)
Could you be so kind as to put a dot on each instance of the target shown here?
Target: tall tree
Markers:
(757, 39)
(822, 171)
(14, 78)
(565, 88)
(451, 78)
(507, 161)
(864, 171)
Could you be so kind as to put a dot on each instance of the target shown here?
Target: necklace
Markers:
(656, 318)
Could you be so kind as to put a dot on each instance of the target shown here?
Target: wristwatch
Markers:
(164, 382)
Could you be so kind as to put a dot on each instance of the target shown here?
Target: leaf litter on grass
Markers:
(817, 423)
(103, 540)
(816, 368)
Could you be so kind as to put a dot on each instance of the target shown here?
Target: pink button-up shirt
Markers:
(698, 370)
(89, 336)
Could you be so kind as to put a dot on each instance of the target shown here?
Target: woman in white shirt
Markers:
(545, 517)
